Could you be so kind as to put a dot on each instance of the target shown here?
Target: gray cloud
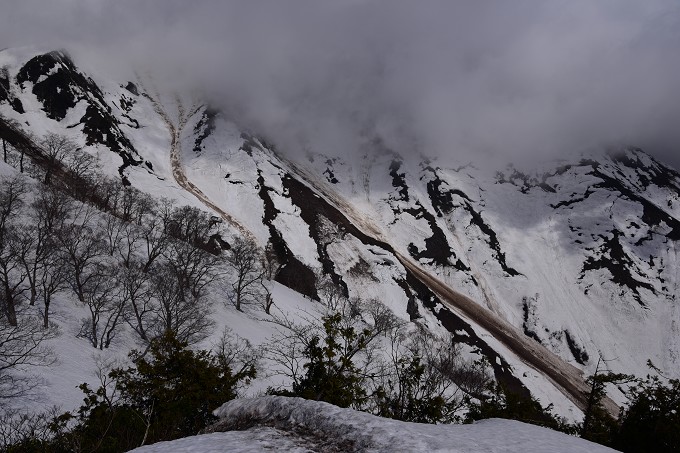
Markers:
(522, 77)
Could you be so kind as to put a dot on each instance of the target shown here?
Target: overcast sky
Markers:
(444, 77)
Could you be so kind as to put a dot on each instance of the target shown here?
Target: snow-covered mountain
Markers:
(543, 272)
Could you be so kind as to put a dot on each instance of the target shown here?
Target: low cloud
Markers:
(521, 78)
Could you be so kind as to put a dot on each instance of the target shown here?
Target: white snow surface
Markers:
(547, 226)
(297, 425)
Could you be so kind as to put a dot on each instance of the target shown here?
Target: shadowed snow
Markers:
(295, 424)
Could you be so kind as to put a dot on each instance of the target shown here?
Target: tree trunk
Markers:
(268, 302)
(46, 314)
(588, 413)
(79, 287)
(10, 308)
(140, 324)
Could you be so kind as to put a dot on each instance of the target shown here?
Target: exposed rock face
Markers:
(580, 256)
(60, 87)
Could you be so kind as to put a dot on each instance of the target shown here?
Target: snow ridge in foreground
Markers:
(298, 425)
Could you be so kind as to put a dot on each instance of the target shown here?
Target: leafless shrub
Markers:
(17, 427)
(422, 366)
(22, 346)
(331, 295)
(236, 353)
(285, 350)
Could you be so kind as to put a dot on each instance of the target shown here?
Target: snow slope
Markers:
(579, 256)
(297, 425)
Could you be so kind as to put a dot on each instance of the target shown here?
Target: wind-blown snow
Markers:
(295, 424)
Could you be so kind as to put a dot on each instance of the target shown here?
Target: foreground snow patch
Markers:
(297, 425)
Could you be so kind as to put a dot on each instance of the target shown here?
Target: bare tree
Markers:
(55, 148)
(12, 272)
(188, 250)
(109, 192)
(115, 231)
(351, 344)
(285, 350)
(140, 307)
(378, 315)
(37, 245)
(194, 267)
(28, 244)
(270, 268)
(26, 427)
(425, 369)
(130, 246)
(81, 164)
(83, 168)
(53, 277)
(145, 207)
(102, 296)
(178, 311)
(127, 208)
(188, 224)
(332, 295)
(52, 209)
(45, 270)
(82, 247)
(405, 369)
(154, 241)
(12, 195)
(7, 147)
(244, 257)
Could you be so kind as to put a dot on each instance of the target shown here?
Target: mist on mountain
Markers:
(519, 80)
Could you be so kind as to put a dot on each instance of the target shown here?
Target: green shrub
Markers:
(504, 403)
(651, 422)
(330, 373)
(167, 394)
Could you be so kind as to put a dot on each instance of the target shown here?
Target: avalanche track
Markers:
(566, 378)
(176, 162)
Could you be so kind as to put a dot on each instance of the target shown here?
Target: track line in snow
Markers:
(176, 162)
(565, 377)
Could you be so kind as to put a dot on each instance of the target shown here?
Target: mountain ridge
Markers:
(512, 241)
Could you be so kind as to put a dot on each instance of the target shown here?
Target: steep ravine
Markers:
(176, 163)
(567, 378)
